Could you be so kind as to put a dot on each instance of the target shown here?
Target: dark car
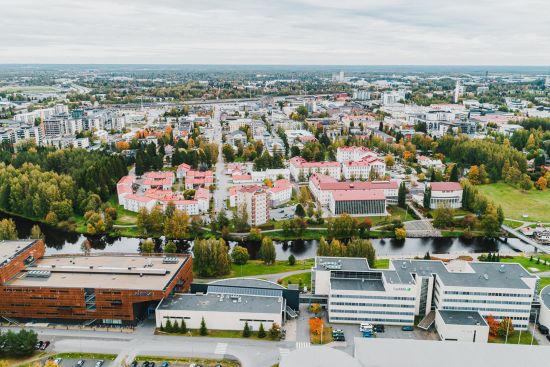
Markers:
(80, 363)
(38, 345)
(543, 330)
(379, 328)
(548, 337)
(407, 328)
(145, 364)
(152, 364)
(133, 364)
(339, 338)
(45, 345)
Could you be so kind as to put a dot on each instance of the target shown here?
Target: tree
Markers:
(8, 230)
(36, 232)
(315, 326)
(542, 183)
(261, 331)
(274, 331)
(203, 331)
(211, 257)
(95, 224)
(239, 255)
(147, 246)
(255, 234)
(500, 215)
(505, 327)
(170, 248)
(183, 327)
(400, 233)
(240, 219)
(390, 161)
(300, 211)
(246, 330)
(493, 325)
(473, 175)
(292, 260)
(267, 251)
(402, 195)
(343, 226)
(228, 153)
(453, 177)
(490, 221)
(361, 248)
(143, 220)
(177, 225)
(426, 203)
(315, 308)
(443, 216)
(366, 224)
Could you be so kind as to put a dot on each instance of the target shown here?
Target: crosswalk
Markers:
(221, 348)
(283, 352)
(302, 345)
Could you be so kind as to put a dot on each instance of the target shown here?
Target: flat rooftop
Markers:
(9, 249)
(471, 318)
(341, 263)
(353, 284)
(101, 272)
(381, 352)
(219, 302)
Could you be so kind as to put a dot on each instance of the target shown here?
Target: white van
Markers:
(365, 326)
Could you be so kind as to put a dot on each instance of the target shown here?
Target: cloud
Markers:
(498, 32)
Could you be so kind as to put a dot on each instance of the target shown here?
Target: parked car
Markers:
(133, 364)
(165, 364)
(45, 345)
(38, 345)
(145, 364)
(379, 328)
(99, 363)
(152, 364)
(80, 363)
(407, 328)
(365, 326)
(543, 330)
(57, 361)
(548, 337)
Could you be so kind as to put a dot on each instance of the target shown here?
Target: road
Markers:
(222, 180)
(144, 342)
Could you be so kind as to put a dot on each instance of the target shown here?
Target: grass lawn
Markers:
(26, 361)
(543, 282)
(257, 268)
(74, 355)
(186, 361)
(516, 202)
(234, 334)
(515, 338)
(512, 223)
(531, 266)
(304, 279)
(124, 217)
(382, 263)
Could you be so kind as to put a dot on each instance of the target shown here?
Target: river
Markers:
(59, 242)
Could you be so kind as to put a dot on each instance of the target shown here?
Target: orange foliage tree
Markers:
(122, 145)
(494, 325)
(315, 325)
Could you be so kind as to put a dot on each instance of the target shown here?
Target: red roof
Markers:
(352, 195)
(302, 163)
(445, 186)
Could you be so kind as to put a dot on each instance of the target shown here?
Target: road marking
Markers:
(221, 348)
(283, 352)
(302, 345)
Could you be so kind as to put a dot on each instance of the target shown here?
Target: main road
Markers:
(222, 180)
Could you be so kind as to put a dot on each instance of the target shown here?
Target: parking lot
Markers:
(87, 363)
(282, 213)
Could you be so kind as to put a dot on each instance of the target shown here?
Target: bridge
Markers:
(527, 240)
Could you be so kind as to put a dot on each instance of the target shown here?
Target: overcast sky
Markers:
(364, 32)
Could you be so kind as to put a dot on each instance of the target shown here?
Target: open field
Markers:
(258, 268)
(527, 263)
(29, 89)
(516, 202)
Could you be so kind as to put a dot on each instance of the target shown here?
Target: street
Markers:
(221, 179)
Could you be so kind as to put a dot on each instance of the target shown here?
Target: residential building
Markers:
(300, 169)
(280, 193)
(364, 169)
(355, 154)
(256, 201)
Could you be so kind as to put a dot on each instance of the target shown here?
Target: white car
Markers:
(365, 326)
(57, 361)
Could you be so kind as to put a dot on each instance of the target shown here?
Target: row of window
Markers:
(371, 304)
(481, 309)
(373, 297)
(372, 319)
(489, 294)
(486, 301)
(372, 312)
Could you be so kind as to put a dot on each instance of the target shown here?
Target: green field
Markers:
(304, 279)
(29, 89)
(528, 264)
(516, 203)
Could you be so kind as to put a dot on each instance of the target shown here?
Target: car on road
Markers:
(80, 363)
(407, 328)
(165, 364)
(99, 363)
(45, 345)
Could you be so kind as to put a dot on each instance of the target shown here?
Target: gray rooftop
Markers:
(341, 263)
(354, 284)
(545, 296)
(247, 283)
(462, 317)
(222, 303)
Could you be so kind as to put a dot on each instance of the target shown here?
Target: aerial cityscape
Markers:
(294, 183)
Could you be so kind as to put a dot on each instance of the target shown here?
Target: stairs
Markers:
(427, 321)
(291, 313)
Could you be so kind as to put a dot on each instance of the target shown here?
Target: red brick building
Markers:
(112, 289)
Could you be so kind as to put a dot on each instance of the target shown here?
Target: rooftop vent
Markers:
(38, 274)
(170, 260)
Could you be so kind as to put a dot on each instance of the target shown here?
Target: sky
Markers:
(311, 32)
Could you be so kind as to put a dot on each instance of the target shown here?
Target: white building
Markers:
(271, 173)
(299, 168)
(356, 293)
(256, 202)
(445, 193)
(364, 169)
(344, 154)
(461, 326)
(280, 193)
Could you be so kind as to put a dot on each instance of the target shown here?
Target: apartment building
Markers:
(344, 154)
(256, 201)
(300, 168)
(364, 169)
(356, 293)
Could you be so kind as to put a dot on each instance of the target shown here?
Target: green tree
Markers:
(255, 234)
(170, 248)
(292, 260)
(361, 248)
(147, 246)
(261, 331)
(453, 177)
(36, 232)
(402, 195)
(443, 216)
(203, 331)
(246, 330)
(239, 255)
(267, 251)
(183, 327)
(427, 197)
(228, 153)
(8, 230)
(490, 221)
(300, 211)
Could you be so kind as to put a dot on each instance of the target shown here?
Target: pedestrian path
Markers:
(302, 345)
(221, 348)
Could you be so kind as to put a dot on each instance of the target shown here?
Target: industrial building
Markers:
(109, 289)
